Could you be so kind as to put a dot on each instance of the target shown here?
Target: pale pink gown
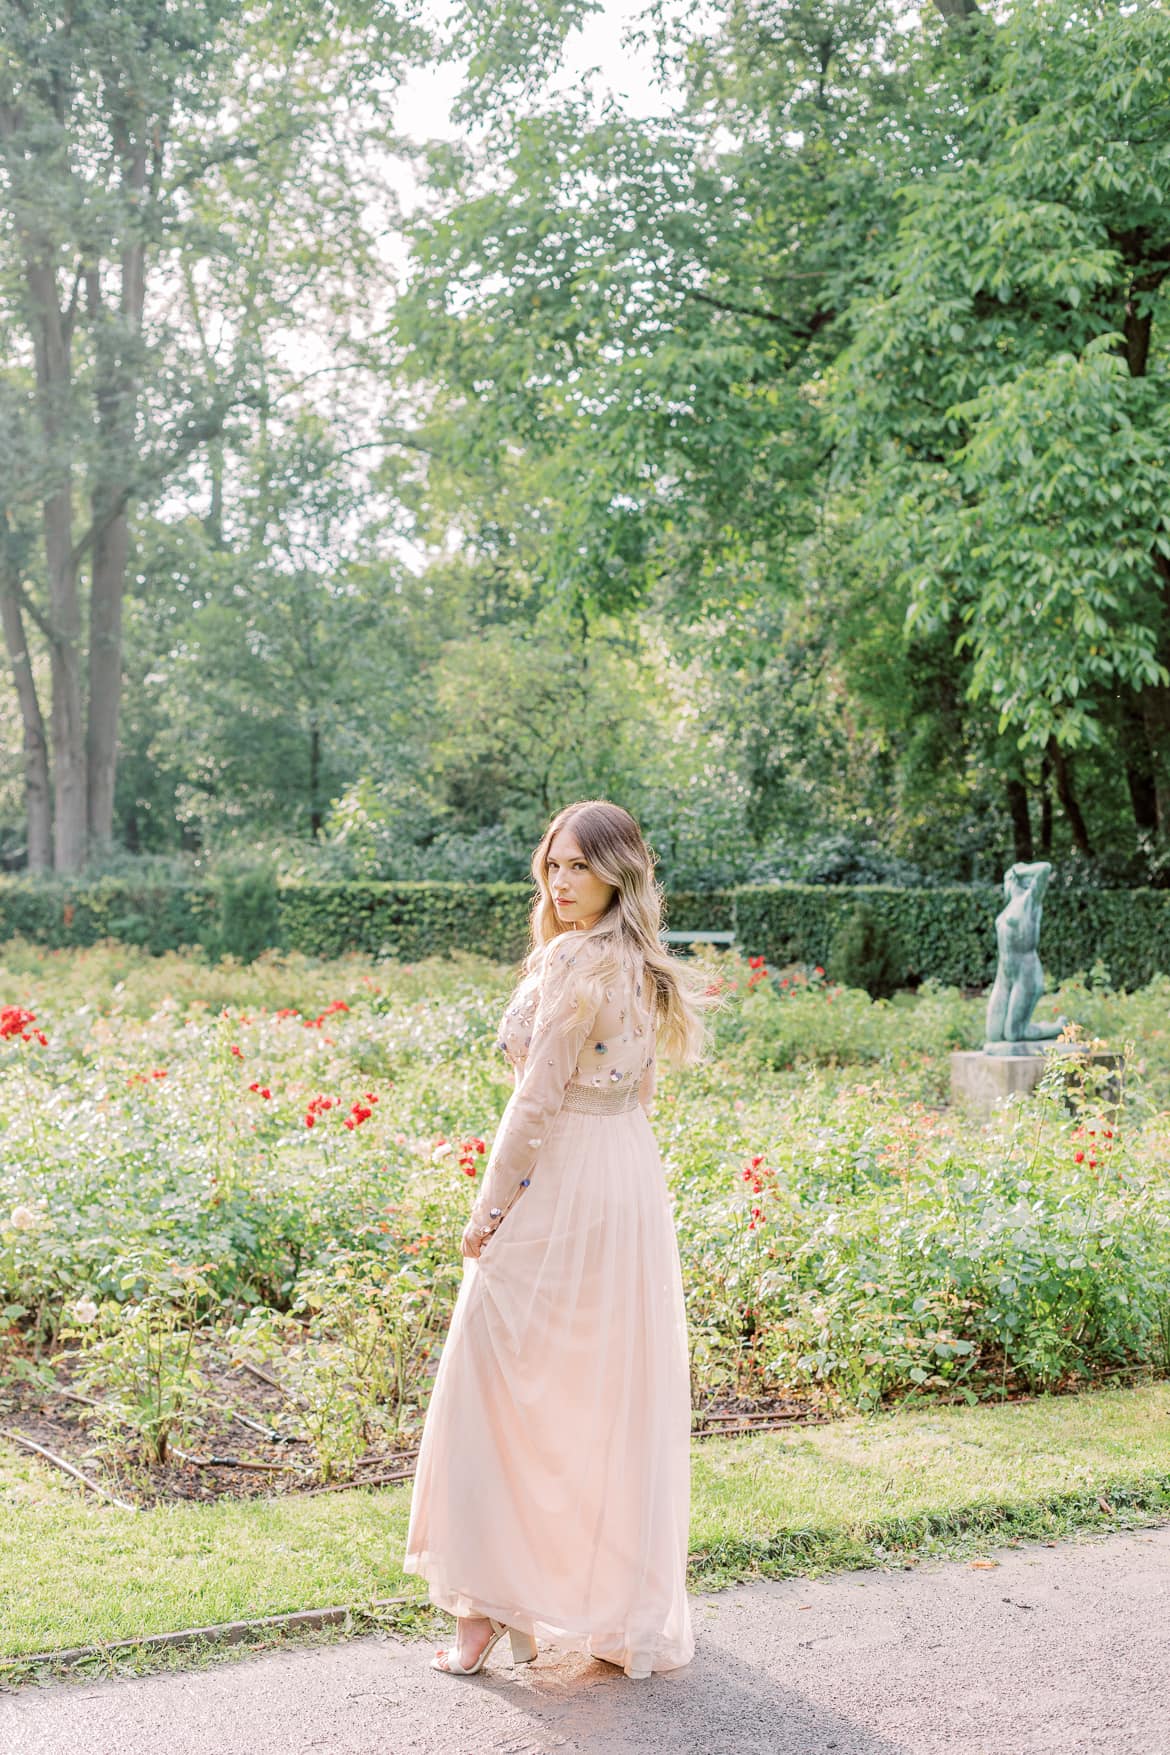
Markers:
(553, 1482)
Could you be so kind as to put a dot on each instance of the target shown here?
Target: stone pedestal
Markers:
(982, 1082)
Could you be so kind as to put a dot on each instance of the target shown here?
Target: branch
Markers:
(957, 11)
(802, 333)
(37, 615)
(222, 155)
(317, 372)
(736, 310)
(226, 153)
(403, 439)
(70, 317)
(18, 657)
(198, 433)
(59, 1462)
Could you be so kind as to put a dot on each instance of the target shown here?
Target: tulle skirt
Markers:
(552, 1489)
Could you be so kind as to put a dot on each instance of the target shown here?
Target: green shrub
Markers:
(138, 1354)
(942, 934)
(247, 912)
(868, 953)
(844, 1233)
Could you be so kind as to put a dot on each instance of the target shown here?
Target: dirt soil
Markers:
(247, 1445)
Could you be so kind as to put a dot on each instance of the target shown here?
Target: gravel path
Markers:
(1051, 1651)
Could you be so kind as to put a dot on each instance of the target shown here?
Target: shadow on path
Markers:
(1050, 1651)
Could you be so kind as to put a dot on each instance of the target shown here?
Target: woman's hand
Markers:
(472, 1240)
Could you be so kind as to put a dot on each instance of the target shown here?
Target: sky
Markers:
(423, 104)
(424, 100)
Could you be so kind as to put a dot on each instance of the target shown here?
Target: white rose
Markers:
(442, 1151)
(85, 1310)
(23, 1219)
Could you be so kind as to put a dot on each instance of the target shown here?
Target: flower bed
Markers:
(215, 1171)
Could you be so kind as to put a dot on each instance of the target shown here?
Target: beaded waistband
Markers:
(600, 1100)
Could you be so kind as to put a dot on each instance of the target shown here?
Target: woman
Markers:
(552, 1493)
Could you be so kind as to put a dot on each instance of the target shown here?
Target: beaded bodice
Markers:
(564, 1060)
(620, 1046)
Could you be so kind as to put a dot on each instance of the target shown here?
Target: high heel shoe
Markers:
(523, 1650)
(523, 1646)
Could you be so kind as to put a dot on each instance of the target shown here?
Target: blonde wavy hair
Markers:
(617, 853)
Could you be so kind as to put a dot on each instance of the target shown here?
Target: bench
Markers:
(697, 938)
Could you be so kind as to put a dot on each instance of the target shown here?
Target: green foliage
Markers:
(896, 462)
(945, 934)
(136, 1351)
(352, 1349)
(405, 920)
(807, 436)
(877, 1251)
(798, 1020)
(247, 912)
(948, 934)
(1002, 399)
(866, 953)
(155, 915)
(857, 1240)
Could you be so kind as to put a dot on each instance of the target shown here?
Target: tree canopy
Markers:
(808, 436)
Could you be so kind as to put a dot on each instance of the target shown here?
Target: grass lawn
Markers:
(863, 1491)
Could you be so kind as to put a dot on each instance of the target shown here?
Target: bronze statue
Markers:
(1019, 979)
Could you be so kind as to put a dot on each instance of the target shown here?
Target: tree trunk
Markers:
(37, 795)
(1068, 800)
(51, 341)
(66, 716)
(1045, 808)
(1155, 706)
(1017, 798)
(110, 552)
(315, 814)
(117, 341)
(1139, 770)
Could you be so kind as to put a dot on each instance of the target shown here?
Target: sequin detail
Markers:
(586, 1100)
(609, 1066)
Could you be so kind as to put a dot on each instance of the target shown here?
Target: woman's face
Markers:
(579, 895)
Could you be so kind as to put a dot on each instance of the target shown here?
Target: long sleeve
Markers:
(549, 1066)
(648, 1087)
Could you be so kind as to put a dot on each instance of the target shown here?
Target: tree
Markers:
(121, 126)
(638, 320)
(265, 668)
(1002, 405)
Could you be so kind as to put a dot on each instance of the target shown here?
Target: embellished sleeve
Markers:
(648, 1085)
(560, 1030)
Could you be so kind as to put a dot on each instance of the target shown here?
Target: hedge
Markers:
(403, 920)
(59, 912)
(945, 933)
(948, 934)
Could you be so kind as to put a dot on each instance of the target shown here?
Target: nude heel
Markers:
(523, 1646)
(452, 1667)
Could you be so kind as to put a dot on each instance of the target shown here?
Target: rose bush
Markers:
(310, 1134)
